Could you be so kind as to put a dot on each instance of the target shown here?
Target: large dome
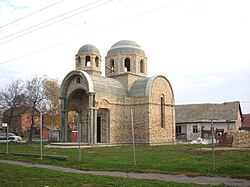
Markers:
(88, 48)
(125, 47)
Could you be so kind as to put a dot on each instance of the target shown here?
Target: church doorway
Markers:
(102, 125)
(99, 129)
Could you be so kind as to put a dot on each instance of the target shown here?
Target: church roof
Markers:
(125, 47)
(88, 48)
(108, 85)
(139, 87)
(227, 111)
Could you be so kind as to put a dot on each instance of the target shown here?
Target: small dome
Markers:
(125, 47)
(88, 48)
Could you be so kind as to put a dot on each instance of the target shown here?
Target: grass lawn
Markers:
(173, 159)
(11, 175)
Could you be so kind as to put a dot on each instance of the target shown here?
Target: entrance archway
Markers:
(77, 119)
(77, 94)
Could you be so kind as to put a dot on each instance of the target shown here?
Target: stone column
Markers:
(91, 120)
(66, 126)
(92, 61)
(108, 126)
(95, 125)
(62, 119)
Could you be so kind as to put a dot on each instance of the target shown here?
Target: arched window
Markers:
(127, 65)
(78, 80)
(87, 61)
(97, 61)
(112, 65)
(142, 68)
(162, 111)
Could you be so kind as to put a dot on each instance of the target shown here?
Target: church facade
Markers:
(124, 102)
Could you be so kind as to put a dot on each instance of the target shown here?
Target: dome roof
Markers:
(125, 47)
(88, 48)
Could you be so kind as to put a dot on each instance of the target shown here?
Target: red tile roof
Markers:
(246, 120)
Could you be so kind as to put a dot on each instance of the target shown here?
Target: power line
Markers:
(31, 14)
(146, 12)
(32, 42)
(52, 22)
(91, 32)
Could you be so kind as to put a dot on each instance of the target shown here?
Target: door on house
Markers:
(98, 129)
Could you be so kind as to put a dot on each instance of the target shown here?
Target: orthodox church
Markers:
(123, 104)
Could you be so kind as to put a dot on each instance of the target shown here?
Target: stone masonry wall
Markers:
(159, 134)
(239, 138)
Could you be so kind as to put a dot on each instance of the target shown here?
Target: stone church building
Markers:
(107, 107)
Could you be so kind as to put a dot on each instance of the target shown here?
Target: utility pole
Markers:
(7, 136)
(133, 136)
(41, 135)
(213, 153)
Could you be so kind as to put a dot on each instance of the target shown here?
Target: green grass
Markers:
(174, 159)
(11, 175)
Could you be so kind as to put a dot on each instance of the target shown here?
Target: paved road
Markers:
(149, 176)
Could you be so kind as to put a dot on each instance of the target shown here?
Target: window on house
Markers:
(87, 61)
(162, 111)
(97, 61)
(142, 66)
(195, 129)
(78, 80)
(127, 65)
(178, 129)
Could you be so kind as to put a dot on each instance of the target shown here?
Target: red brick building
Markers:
(21, 121)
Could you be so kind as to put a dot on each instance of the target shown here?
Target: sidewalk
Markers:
(149, 176)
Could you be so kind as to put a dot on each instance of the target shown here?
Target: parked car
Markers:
(12, 138)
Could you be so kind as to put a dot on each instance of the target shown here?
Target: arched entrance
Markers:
(76, 94)
(92, 123)
(77, 109)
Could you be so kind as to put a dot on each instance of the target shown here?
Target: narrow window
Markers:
(97, 61)
(127, 65)
(195, 129)
(93, 100)
(78, 80)
(87, 61)
(162, 111)
(112, 65)
(142, 66)
(178, 129)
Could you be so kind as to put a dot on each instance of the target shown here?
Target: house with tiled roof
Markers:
(245, 125)
(194, 120)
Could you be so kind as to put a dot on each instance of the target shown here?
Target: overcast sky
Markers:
(201, 46)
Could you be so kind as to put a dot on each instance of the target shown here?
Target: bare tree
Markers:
(11, 98)
(35, 94)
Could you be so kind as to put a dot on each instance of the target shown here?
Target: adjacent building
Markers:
(245, 125)
(194, 120)
(19, 120)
